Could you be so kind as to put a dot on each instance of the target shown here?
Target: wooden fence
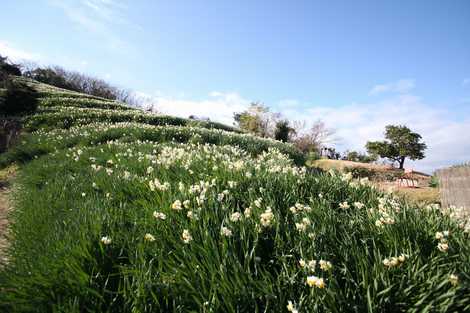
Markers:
(454, 185)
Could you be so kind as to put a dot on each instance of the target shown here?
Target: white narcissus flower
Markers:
(325, 265)
(266, 217)
(247, 212)
(149, 237)
(443, 246)
(312, 264)
(159, 215)
(186, 236)
(314, 281)
(176, 205)
(359, 205)
(395, 261)
(106, 240)
(454, 279)
(224, 231)
(301, 227)
(291, 307)
(235, 217)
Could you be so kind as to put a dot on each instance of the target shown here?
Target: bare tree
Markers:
(314, 138)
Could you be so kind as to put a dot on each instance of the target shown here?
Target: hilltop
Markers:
(385, 177)
(120, 210)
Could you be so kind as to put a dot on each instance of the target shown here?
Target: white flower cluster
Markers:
(443, 244)
(157, 185)
(395, 261)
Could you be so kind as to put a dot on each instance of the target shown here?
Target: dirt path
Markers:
(6, 177)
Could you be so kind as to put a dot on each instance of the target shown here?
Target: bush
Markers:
(359, 157)
(283, 131)
(360, 172)
(434, 182)
(17, 99)
(8, 68)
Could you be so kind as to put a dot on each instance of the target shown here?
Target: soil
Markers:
(5, 187)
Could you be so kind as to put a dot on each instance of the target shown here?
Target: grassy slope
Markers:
(239, 219)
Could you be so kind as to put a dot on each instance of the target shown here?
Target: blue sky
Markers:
(358, 65)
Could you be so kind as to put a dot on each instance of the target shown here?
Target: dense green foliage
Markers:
(283, 131)
(16, 98)
(133, 217)
(8, 68)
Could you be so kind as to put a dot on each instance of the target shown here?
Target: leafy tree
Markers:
(400, 143)
(283, 131)
(257, 119)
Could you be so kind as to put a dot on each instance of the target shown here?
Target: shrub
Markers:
(8, 68)
(359, 157)
(17, 99)
(360, 172)
(434, 181)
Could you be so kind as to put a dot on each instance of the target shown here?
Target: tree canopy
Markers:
(400, 143)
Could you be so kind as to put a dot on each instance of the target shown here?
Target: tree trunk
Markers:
(402, 162)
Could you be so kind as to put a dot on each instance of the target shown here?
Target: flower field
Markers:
(121, 211)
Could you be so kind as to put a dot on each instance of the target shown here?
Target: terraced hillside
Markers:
(117, 210)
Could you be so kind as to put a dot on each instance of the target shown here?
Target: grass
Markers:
(129, 217)
(327, 164)
(6, 174)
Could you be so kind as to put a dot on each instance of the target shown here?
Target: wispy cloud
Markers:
(100, 17)
(400, 86)
(466, 82)
(16, 54)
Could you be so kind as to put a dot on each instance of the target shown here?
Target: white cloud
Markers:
(466, 82)
(15, 54)
(218, 106)
(400, 86)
